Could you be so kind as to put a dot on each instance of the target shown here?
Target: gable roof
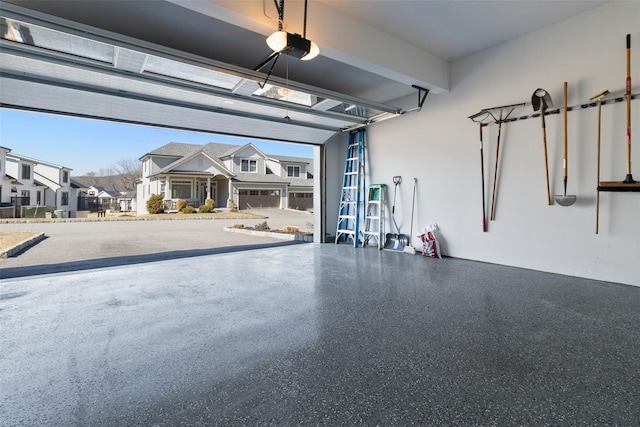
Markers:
(284, 159)
(175, 149)
(192, 155)
(219, 151)
(242, 147)
(77, 184)
(35, 161)
(181, 149)
(42, 181)
(112, 189)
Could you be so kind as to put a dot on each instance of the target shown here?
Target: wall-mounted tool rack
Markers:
(485, 118)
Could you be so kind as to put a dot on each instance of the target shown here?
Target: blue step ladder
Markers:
(351, 197)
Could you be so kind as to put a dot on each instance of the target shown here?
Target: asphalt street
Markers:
(70, 246)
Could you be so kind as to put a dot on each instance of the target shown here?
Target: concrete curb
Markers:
(21, 246)
(273, 235)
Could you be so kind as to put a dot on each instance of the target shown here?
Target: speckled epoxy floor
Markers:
(318, 335)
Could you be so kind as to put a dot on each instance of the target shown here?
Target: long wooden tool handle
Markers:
(565, 162)
(495, 175)
(484, 208)
(629, 104)
(598, 150)
(546, 162)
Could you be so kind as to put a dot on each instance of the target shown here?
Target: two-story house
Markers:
(38, 183)
(226, 173)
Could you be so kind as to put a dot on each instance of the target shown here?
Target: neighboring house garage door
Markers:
(258, 199)
(302, 201)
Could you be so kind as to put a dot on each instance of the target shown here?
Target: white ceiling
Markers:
(454, 29)
(373, 50)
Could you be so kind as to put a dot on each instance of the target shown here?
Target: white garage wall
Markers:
(440, 147)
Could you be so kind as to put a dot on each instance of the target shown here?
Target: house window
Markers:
(26, 197)
(65, 176)
(181, 189)
(249, 165)
(26, 172)
(163, 187)
(254, 192)
(293, 171)
(65, 198)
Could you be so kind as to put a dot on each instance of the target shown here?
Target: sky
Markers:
(91, 145)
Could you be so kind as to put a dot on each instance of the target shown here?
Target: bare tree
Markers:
(129, 172)
(102, 172)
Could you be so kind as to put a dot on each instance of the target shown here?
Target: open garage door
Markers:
(56, 66)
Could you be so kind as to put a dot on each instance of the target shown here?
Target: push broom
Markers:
(628, 184)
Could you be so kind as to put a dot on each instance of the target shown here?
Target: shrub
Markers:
(211, 203)
(237, 225)
(188, 210)
(205, 209)
(233, 207)
(262, 226)
(155, 204)
(181, 204)
(291, 229)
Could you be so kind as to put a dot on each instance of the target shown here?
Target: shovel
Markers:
(395, 241)
(565, 200)
(541, 100)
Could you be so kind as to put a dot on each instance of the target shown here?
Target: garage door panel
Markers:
(33, 96)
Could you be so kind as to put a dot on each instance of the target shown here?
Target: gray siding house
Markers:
(229, 174)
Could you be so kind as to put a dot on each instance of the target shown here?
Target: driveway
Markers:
(72, 246)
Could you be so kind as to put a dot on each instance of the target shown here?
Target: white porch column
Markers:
(167, 190)
(208, 187)
(231, 193)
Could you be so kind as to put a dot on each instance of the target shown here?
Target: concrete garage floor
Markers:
(316, 334)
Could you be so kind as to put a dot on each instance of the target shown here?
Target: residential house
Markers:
(38, 183)
(229, 174)
(7, 182)
(111, 197)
